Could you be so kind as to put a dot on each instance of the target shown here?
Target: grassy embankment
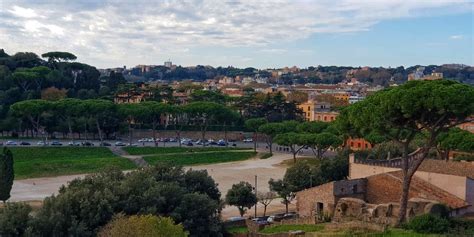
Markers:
(32, 162)
(191, 155)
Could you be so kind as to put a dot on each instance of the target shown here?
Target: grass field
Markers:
(31, 162)
(167, 150)
(200, 158)
(237, 230)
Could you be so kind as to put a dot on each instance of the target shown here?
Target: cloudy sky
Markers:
(243, 33)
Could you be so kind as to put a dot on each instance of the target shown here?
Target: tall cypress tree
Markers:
(6, 174)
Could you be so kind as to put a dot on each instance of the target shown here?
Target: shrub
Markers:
(428, 224)
(14, 219)
(142, 226)
(464, 157)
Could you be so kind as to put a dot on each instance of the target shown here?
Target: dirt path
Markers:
(137, 160)
(225, 174)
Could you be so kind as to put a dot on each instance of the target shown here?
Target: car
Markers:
(235, 218)
(120, 144)
(105, 144)
(25, 144)
(188, 143)
(261, 220)
(222, 143)
(172, 139)
(42, 143)
(87, 143)
(276, 217)
(56, 143)
(210, 140)
(11, 143)
(144, 140)
(213, 143)
(71, 143)
(132, 144)
(247, 140)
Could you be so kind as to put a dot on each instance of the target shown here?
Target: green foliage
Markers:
(209, 96)
(6, 174)
(168, 150)
(242, 196)
(298, 176)
(253, 124)
(237, 230)
(288, 228)
(200, 158)
(14, 218)
(33, 162)
(428, 224)
(284, 189)
(142, 226)
(83, 207)
(456, 139)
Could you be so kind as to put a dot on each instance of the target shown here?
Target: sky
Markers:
(253, 33)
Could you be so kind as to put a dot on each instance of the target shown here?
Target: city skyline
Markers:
(258, 34)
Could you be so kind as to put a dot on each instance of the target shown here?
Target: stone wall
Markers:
(353, 209)
(307, 200)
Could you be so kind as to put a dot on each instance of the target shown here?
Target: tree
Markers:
(67, 110)
(297, 97)
(254, 124)
(295, 141)
(416, 108)
(55, 57)
(99, 111)
(203, 113)
(454, 139)
(265, 198)
(131, 112)
(271, 130)
(33, 110)
(53, 94)
(6, 174)
(320, 143)
(242, 196)
(14, 218)
(152, 112)
(209, 96)
(199, 181)
(284, 190)
(226, 117)
(142, 225)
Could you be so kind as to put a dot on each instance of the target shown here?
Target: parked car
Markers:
(132, 144)
(120, 144)
(71, 143)
(42, 143)
(25, 144)
(276, 217)
(87, 143)
(188, 143)
(222, 143)
(261, 220)
(247, 140)
(105, 144)
(172, 139)
(235, 218)
(56, 143)
(11, 143)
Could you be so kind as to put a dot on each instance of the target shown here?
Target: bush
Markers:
(14, 219)
(464, 157)
(142, 226)
(429, 224)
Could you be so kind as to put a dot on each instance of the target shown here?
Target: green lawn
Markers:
(287, 228)
(167, 150)
(200, 158)
(237, 230)
(30, 162)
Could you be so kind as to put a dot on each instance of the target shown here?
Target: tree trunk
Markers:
(154, 134)
(178, 133)
(404, 199)
(70, 131)
(255, 141)
(99, 131)
(286, 206)
(129, 133)
(264, 210)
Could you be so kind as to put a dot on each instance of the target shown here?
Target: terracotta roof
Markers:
(428, 190)
(465, 169)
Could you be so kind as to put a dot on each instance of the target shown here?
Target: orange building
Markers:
(328, 116)
(357, 144)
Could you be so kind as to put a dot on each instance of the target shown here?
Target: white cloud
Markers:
(456, 37)
(110, 33)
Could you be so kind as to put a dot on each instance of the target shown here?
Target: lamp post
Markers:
(256, 195)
